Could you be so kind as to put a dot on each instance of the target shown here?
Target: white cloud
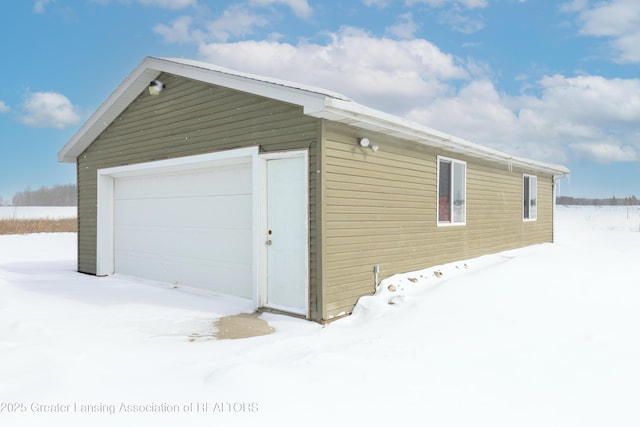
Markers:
(377, 3)
(39, 6)
(179, 31)
(462, 23)
(388, 74)
(477, 112)
(574, 5)
(471, 4)
(605, 153)
(405, 28)
(50, 110)
(238, 20)
(455, 13)
(167, 4)
(235, 21)
(554, 119)
(4, 108)
(170, 4)
(593, 99)
(617, 20)
(587, 116)
(300, 7)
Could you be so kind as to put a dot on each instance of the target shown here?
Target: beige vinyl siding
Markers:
(380, 208)
(375, 210)
(191, 118)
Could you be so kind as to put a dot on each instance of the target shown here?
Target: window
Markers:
(452, 176)
(530, 197)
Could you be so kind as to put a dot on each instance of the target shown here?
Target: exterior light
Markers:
(155, 87)
(365, 143)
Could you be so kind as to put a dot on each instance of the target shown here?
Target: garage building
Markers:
(289, 195)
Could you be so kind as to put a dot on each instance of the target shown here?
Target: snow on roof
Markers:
(316, 102)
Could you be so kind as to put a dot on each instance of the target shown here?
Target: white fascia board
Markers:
(354, 114)
(310, 99)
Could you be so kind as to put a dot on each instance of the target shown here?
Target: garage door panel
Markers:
(193, 227)
(230, 211)
(220, 277)
(199, 245)
(186, 184)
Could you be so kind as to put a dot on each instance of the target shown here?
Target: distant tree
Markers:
(612, 201)
(59, 195)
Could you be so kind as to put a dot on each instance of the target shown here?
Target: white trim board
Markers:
(261, 176)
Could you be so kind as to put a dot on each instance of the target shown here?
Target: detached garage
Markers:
(269, 190)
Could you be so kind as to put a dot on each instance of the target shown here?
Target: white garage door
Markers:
(189, 227)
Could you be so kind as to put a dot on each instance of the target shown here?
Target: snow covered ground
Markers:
(540, 336)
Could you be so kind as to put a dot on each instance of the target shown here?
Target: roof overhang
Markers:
(367, 118)
(149, 69)
(315, 102)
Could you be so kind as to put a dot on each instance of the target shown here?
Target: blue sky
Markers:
(550, 80)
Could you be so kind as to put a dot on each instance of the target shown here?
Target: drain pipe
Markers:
(554, 210)
(376, 270)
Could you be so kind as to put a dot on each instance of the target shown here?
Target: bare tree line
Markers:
(611, 201)
(58, 195)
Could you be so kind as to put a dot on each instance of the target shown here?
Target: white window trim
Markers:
(525, 175)
(450, 223)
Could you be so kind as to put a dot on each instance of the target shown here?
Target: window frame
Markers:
(529, 214)
(452, 185)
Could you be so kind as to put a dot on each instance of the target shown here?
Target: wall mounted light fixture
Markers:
(365, 143)
(155, 87)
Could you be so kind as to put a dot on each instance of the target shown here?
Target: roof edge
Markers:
(308, 97)
(126, 92)
(370, 119)
(316, 102)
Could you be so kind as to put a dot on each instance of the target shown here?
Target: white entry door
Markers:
(287, 234)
